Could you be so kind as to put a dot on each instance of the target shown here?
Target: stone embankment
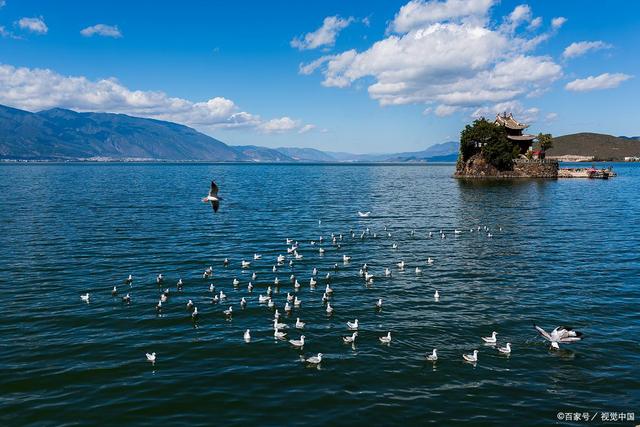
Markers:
(478, 167)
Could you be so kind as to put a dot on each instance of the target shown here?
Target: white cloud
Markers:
(307, 128)
(580, 48)
(37, 89)
(558, 22)
(102, 30)
(448, 56)
(522, 114)
(282, 124)
(2, 3)
(35, 25)
(6, 33)
(324, 36)
(550, 117)
(603, 81)
(520, 15)
(418, 13)
(445, 110)
(535, 23)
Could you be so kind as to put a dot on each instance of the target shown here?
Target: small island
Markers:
(500, 149)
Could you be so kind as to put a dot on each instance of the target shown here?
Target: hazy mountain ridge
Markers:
(60, 134)
(65, 134)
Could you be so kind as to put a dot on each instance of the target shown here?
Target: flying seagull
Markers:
(213, 197)
(561, 334)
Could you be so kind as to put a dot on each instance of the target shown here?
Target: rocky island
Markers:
(500, 149)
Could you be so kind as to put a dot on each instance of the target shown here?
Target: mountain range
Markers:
(60, 134)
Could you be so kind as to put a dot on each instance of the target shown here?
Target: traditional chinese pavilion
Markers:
(514, 131)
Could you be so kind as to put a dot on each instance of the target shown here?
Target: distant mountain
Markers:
(60, 134)
(262, 154)
(601, 146)
(65, 134)
(306, 154)
(443, 152)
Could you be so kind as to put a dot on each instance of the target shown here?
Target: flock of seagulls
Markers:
(293, 300)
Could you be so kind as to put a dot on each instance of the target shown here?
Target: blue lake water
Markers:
(568, 253)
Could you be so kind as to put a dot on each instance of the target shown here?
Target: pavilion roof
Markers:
(509, 121)
(525, 137)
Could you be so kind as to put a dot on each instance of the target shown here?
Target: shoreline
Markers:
(230, 162)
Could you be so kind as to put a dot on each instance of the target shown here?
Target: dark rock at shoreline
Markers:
(478, 167)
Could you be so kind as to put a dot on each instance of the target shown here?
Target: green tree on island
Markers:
(545, 140)
(485, 137)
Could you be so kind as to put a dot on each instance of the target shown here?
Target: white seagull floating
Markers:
(436, 295)
(299, 324)
(279, 335)
(492, 339)
(298, 343)
(85, 297)
(560, 335)
(277, 325)
(247, 335)
(315, 360)
(350, 339)
(353, 325)
(364, 214)
(506, 349)
(471, 358)
(379, 303)
(433, 356)
(385, 339)
(151, 357)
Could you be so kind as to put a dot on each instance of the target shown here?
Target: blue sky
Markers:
(358, 76)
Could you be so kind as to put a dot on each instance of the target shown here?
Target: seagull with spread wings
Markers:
(213, 197)
(560, 335)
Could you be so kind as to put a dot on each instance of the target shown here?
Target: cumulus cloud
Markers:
(37, 89)
(307, 128)
(535, 23)
(35, 25)
(324, 36)
(102, 30)
(447, 54)
(520, 15)
(418, 13)
(282, 124)
(558, 22)
(603, 81)
(580, 48)
(445, 110)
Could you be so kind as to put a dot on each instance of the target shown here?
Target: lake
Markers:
(563, 252)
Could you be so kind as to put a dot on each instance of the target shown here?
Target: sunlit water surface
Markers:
(568, 253)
